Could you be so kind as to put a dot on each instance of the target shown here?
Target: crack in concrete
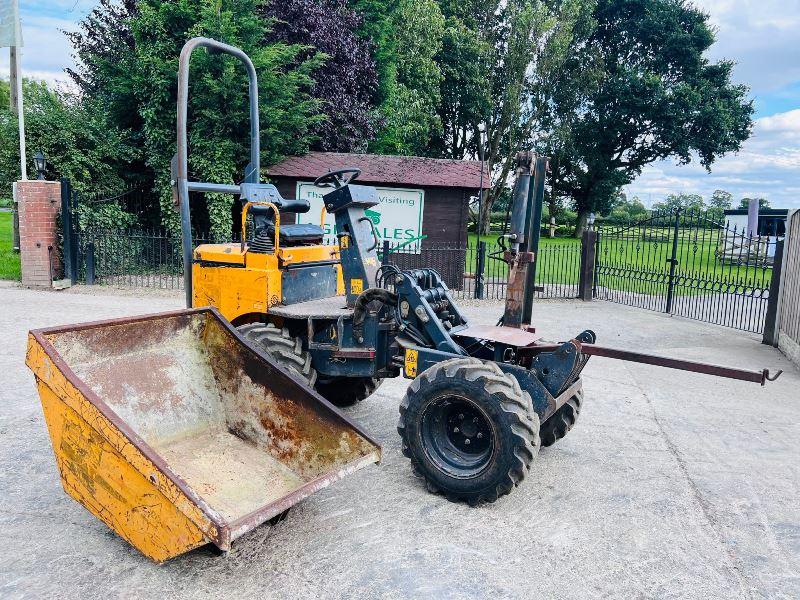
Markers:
(734, 564)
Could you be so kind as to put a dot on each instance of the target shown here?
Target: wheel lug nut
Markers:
(466, 441)
(455, 430)
(461, 416)
(480, 435)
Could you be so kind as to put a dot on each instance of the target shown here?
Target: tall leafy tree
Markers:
(721, 199)
(347, 82)
(626, 210)
(76, 137)
(465, 85)
(128, 60)
(651, 94)
(377, 22)
(407, 35)
(517, 48)
(411, 88)
(674, 202)
(719, 202)
(744, 203)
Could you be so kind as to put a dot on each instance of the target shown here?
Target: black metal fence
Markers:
(131, 258)
(153, 259)
(478, 271)
(680, 262)
(684, 263)
(96, 251)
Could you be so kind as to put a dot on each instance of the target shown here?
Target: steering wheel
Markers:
(337, 179)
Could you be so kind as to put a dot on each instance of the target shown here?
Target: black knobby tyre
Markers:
(346, 391)
(557, 426)
(470, 431)
(284, 348)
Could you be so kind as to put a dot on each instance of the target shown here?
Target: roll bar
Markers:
(180, 179)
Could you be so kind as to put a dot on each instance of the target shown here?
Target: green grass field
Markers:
(9, 260)
(560, 259)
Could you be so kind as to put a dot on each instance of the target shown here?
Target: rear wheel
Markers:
(557, 426)
(283, 347)
(346, 391)
(287, 351)
(469, 430)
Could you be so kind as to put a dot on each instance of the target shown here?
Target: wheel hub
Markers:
(458, 436)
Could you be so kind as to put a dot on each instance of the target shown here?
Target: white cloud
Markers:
(768, 165)
(46, 51)
(762, 36)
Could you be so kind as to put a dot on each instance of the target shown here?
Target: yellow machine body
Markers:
(243, 285)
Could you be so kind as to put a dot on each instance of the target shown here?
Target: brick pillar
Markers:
(39, 205)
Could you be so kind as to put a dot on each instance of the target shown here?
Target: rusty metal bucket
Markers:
(175, 432)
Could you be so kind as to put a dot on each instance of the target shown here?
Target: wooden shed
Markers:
(419, 196)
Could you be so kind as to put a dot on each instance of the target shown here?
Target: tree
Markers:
(674, 202)
(75, 137)
(346, 83)
(744, 203)
(519, 47)
(411, 89)
(720, 201)
(627, 211)
(377, 27)
(653, 95)
(127, 56)
(104, 51)
(465, 86)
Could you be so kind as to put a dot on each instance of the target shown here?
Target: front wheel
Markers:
(557, 426)
(288, 352)
(282, 347)
(469, 430)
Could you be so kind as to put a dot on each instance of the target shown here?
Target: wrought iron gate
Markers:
(688, 264)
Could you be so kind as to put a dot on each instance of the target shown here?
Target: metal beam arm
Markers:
(217, 188)
(684, 365)
(761, 376)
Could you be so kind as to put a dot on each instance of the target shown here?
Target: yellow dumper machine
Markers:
(194, 427)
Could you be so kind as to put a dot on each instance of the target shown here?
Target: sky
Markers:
(761, 36)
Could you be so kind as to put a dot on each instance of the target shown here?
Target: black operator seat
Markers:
(290, 234)
(301, 233)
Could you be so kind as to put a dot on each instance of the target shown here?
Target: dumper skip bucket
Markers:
(175, 432)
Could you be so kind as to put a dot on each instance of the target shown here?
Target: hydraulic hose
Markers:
(360, 309)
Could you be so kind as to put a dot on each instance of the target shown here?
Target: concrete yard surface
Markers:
(671, 485)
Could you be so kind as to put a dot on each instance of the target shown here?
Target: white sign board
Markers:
(398, 217)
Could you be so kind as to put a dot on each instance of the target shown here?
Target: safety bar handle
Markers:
(181, 171)
(183, 102)
(374, 233)
(275, 210)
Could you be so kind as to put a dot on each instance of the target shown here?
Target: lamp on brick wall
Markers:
(40, 162)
